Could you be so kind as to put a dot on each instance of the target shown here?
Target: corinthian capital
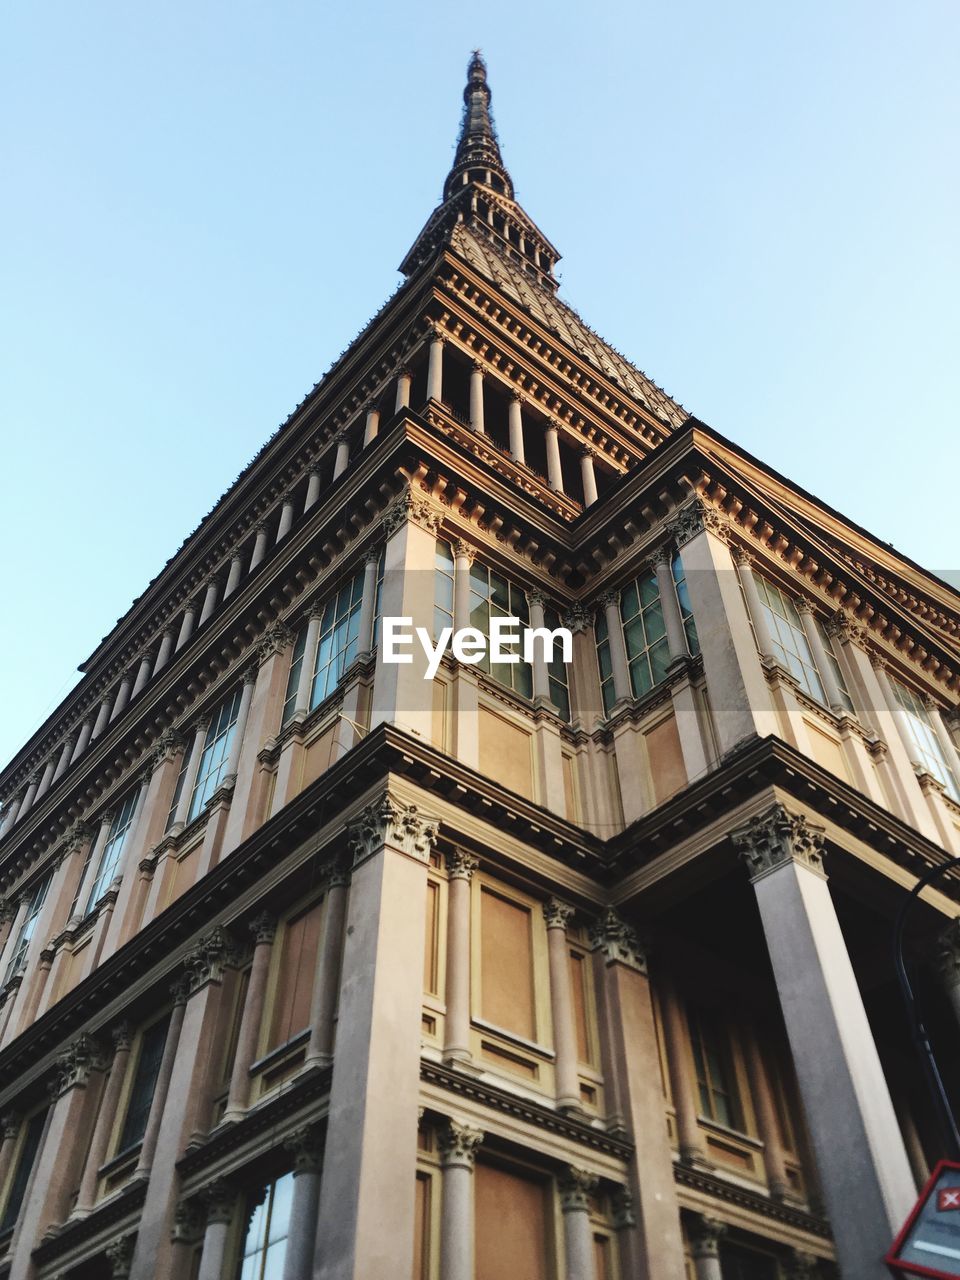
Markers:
(77, 1062)
(557, 914)
(411, 507)
(777, 837)
(618, 942)
(215, 952)
(274, 640)
(693, 519)
(389, 822)
(705, 1235)
(458, 1144)
(576, 1187)
(460, 864)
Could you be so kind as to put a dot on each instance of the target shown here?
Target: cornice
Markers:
(718, 1189)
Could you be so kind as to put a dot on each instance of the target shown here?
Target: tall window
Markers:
(927, 749)
(144, 1083)
(265, 1244)
(788, 639)
(24, 1167)
(716, 1085)
(557, 670)
(743, 1264)
(19, 954)
(338, 642)
(112, 850)
(644, 634)
(213, 758)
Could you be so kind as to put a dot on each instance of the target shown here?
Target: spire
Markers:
(478, 156)
(478, 198)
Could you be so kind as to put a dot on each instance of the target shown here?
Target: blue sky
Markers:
(206, 201)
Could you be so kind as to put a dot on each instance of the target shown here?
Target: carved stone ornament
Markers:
(76, 835)
(693, 519)
(621, 1204)
(120, 1256)
(618, 942)
(610, 597)
(263, 927)
(460, 864)
(576, 1186)
(578, 619)
(843, 628)
(336, 874)
(464, 551)
(306, 1146)
(220, 1198)
(122, 1037)
(208, 959)
(387, 822)
(458, 1144)
(412, 507)
(180, 990)
(167, 747)
(274, 640)
(663, 553)
(705, 1235)
(188, 1222)
(9, 1125)
(777, 837)
(77, 1062)
(557, 914)
(8, 909)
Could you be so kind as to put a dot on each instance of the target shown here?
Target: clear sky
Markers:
(204, 202)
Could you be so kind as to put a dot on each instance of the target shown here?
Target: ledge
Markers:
(104, 1215)
(733, 1193)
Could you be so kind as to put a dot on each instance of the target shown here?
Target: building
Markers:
(312, 967)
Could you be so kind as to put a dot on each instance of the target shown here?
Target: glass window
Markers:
(215, 754)
(716, 1089)
(24, 1167)
(19, 954)
(835, 666)
(172, 813)
(144, 1082)
(787, 637)
(443, 590)
(492, 596)
(743, 1264)
(112, 849)
(557, 670)
(927, 750)
(293, 679)
(265, 1244)
(686, 612)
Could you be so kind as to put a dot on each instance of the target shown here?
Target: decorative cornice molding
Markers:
(774, 838)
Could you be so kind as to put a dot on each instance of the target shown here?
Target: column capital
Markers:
(578, 619)
(8, 909)
(662, 554)
(536, 597)
(167, 747)
(576, 1186)
(122, 1037)
(612, 596)
(386, 821)
(120, 1256)
(694, 518)
(706, 1233)
(843, 628)
(463, 550)
(201, 724)
(10, 1125)
(740, 556)
(878, 662)
(478, 366)
(460, 864)
(551, 424)
(275, 639)
(772, 839)
(336, 874)
(180, 990)
(208, 959)
(263, 927)
(621, 1204)
(801, 1265)
(618, 941)
(220, 1199)
(77, 1063)
(458, 1144)
(803, 605)
(306, 1146)
(588, 450)
(557, 914)
(412, 507)
(188, 1219)
(372, 554)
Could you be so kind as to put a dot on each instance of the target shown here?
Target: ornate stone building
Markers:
(314, 968)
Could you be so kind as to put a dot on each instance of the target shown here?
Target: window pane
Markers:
(152, 1043)
(24, 1167)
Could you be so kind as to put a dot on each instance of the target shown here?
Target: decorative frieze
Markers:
(386, 822)
(777, 837)
(618, 942)
(458, 1144)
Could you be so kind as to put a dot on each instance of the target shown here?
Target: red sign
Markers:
(929, 1244)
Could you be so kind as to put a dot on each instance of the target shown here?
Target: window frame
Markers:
(113, 849)
(18, 956)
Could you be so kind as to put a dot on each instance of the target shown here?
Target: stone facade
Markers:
(311, 967)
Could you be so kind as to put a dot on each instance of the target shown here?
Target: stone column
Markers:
(672, 619)
(285, 522)
(541, 676)
(179, 990)
(326, 982)
(66, 753)
(165, 650)
(554, 469)
(371, 426)
(342, 459)
(210, 597)
(751, 593)
(576, 1186)
(9, 815)
(186, 625)
(705, 1235)
(33, 784)
(950, 753)
(368, 601)
(313, 491)
(435, 369)
(306, 1146)
(618, 649)
(83, 738)
(476, 397)
(143, 674)
(815, 642)
(761, 1091)
(9, 1132)
(301, 707)
(103, 717)
(683, 1086)
(264, 928)
(404, 381)
(365, 1226)
(190, 777)
(557, 914)
(838, 1068)
(46, 779)
(220, 1198)
(234, 574)
(259, 545)
(122, 1037)
(243, 713)
(588, 476)
(458, 1152)
(463, 554)
(515, 424)
(460, 868)
(123, 695)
